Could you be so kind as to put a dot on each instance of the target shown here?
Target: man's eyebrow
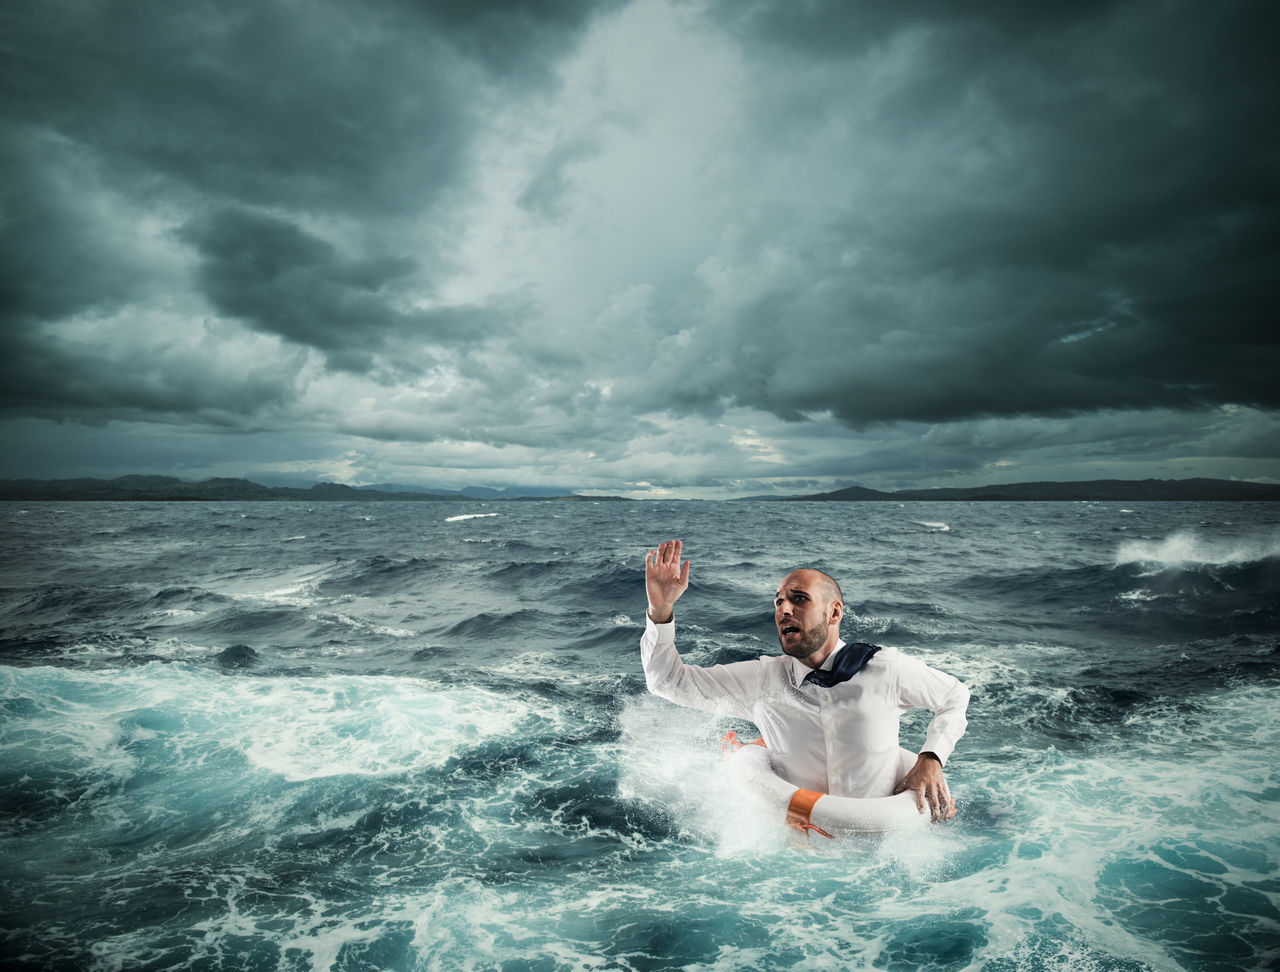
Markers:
(791, 590)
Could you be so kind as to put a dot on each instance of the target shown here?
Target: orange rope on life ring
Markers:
(835, 816)
(801, 807)
(802, 801)
(730, 743)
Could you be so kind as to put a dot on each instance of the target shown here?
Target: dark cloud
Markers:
(676, 243)
(351, 107)
(55, 259)
(119, 112)
(102, 382)
(837, 28)
(251, 101)
(1072, 209)
(520, 39)
(283, 280)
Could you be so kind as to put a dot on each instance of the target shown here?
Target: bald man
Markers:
(828, 711)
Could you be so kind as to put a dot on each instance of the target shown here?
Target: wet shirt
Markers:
(841, 740)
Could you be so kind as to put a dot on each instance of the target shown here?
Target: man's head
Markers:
(807, 610)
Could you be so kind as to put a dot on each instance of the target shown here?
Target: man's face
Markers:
(802, 611)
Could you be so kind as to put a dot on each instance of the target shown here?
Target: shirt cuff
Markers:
(651, 624)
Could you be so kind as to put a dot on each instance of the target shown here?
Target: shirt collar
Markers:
(798, 669)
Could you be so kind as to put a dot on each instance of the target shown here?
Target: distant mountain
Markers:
(477, 492)
(170, 488)
(1117, 490)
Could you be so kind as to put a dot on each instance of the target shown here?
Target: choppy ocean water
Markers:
(416, 736)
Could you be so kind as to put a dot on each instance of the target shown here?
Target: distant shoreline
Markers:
(1099, 490)
(168, 489)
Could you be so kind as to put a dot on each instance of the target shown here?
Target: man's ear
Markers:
(837, 612)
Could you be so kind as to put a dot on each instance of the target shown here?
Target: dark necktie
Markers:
(851, 660)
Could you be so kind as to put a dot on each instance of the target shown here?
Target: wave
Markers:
(1177, 602)
(489, 625)
(372, 575)
(61, 604)
(467, 516)
(327, 619)
(1188, 547)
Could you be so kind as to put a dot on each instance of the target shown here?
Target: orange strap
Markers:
(802, 801)
(730, 743)
(799, 809)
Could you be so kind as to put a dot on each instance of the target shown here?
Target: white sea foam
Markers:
(935, 526)
(1188, 547)
(312, 936)
(467, 516)
(296, 729)
(1138, 596)
(360, 625)
(294, 595)
(671, 757)
(877, 624)
(290, 588)
(373, 726)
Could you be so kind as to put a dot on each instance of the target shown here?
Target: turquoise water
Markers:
(272, 736)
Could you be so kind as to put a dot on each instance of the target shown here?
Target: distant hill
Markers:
(1118, 490)
(170, 488)
(477, 492)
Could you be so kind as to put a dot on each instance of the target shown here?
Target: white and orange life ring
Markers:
(810, 811)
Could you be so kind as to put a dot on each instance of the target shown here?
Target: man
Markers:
(828, 711)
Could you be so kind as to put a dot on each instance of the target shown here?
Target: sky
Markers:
(658, 248)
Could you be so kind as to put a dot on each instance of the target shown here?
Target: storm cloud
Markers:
(699, 248)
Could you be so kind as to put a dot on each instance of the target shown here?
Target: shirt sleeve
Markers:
(922, 687)
(727, 690)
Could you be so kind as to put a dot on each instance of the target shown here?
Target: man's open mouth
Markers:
(789, 629)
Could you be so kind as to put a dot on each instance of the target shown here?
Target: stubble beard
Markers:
(810, 641)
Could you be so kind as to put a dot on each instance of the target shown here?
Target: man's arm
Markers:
(724, 689)
(923, 687)
(665, 580)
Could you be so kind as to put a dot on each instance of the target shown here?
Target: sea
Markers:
(416, 736)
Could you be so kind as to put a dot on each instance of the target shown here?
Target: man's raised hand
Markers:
(665, 579)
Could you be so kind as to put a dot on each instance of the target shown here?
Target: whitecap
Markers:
(295, 595)
(467, 516)
(365, 627)
(935, 526)
(1188, 547)
(1140, 595)
(369, 726)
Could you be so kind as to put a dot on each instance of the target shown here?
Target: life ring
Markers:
(813, 812)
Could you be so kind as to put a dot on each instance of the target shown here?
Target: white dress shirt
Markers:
(841, 740)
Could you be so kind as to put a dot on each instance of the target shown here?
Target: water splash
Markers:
(1189, 547)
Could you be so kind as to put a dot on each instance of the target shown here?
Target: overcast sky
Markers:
(705, 248)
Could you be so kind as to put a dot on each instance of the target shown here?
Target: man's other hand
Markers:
(930, 787)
